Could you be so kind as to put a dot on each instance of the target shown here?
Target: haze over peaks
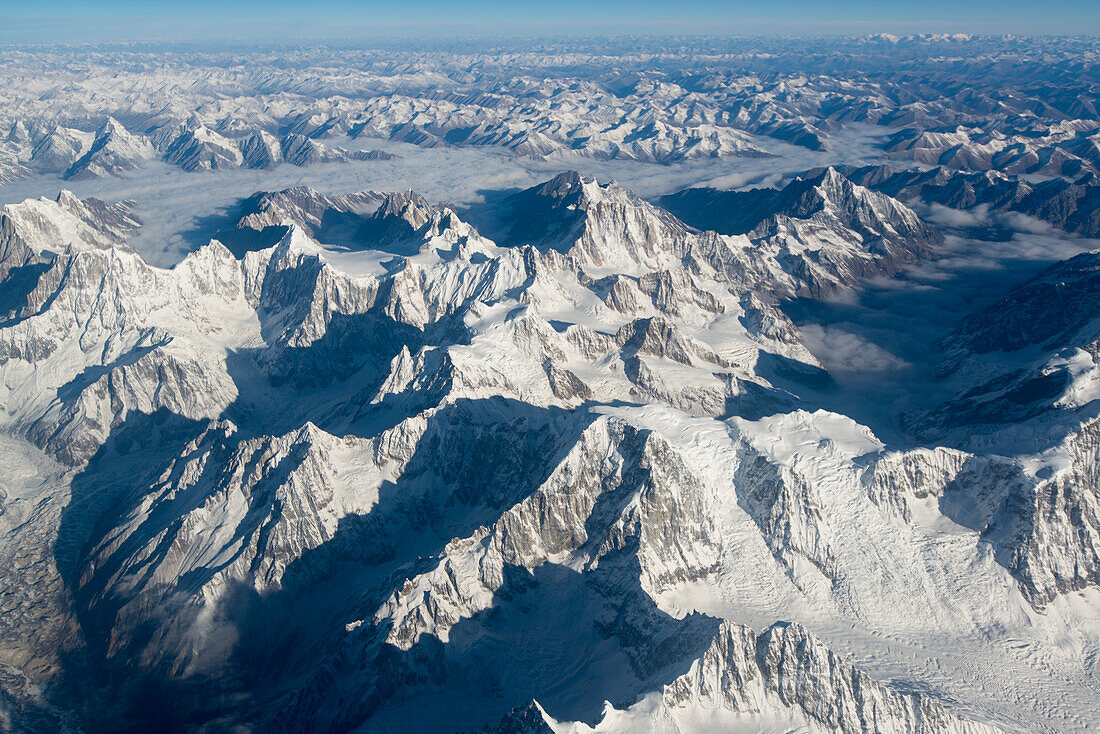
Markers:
(83, 20)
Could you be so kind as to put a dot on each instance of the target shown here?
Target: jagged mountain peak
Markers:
(430, 412)
(60, 148)
(593, 222)
(564, 185)
(197, 147)
(403, 220)
(573, 189)
(408, 206)
(363, 469)
(296, 241)
(743, 671)
(826, 232)
(741, 212)
(261, 149)
(67, 221)
(659, 337)
(325, 217)
(18, 133)
(111, 126)
(830, 178)
(67, 199)
(113, 152)
(828, 187)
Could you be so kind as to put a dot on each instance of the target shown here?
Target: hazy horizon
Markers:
(82, 21)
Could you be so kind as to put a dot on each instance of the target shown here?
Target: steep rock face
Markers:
(420, 438)
(764, 319)
(34, 232)
(1043, 531)
(886, 227)
(616, 487)
(636, 507)
(783, 676)
(51, 226)
(113, 152)
(600, 226)
(228, 515)
(671, 292)
(16, 151)
(60, 149)
(823, 230)
(785, 507)
(276, 279)
(202, 148)
(101, 349)
(15, 254)
(299, 150)
(400, 219)
(815, 236)
(244, 520)
(305, 207)
(12, 171)
(126, 336)
(786, 667)
(402, 355)
(1072, 205)
(1055, 548)
(917, 474)
(669, 529)
(603, 230)
(402, 226)
(261, 150)
(648, 347)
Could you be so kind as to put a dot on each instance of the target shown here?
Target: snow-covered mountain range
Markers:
(1027, 106)
(567, 461)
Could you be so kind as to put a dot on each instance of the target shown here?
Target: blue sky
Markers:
(82, 20)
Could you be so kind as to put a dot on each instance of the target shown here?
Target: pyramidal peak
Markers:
(571, 188)
(66, 199)
(408, 206)
(565, 184)
(296, 241)
(111, 126)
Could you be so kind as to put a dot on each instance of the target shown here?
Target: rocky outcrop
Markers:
(786, 667)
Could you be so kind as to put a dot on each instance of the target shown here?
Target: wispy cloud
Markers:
(842, 351)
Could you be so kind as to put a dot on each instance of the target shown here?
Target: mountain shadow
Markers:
(476, 459)
(108, 692)
(569, 640)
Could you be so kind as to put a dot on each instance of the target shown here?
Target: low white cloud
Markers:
(945, 216)
(179, 207)
(839, 350)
